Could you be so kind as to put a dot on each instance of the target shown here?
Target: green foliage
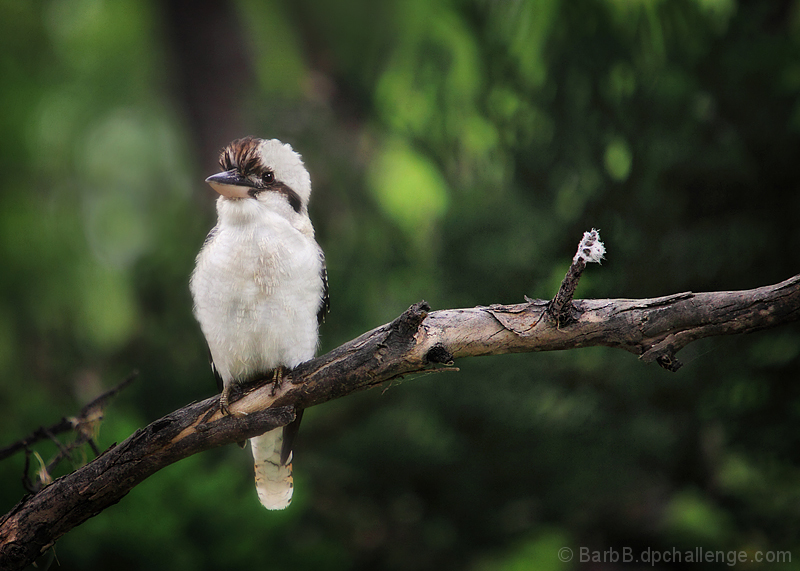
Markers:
(458, 151)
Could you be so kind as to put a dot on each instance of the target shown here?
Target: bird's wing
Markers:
(274, 482)
(325, 302)
(217, 376)
(289, 434)
(210, 236)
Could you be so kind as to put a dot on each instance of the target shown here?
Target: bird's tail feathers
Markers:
(274, 482)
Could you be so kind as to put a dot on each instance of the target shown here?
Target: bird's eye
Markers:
(268, 177)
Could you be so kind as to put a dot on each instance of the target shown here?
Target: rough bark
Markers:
(419, 340)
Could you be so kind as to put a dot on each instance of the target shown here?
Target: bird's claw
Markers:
(278, 375)
(277, 379)
(224, 402)
(224, 399)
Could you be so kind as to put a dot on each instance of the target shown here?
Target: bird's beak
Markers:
(231, 184)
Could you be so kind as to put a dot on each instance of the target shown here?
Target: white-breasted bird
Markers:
(260, 287)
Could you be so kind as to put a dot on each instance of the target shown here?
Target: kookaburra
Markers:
(260, 287)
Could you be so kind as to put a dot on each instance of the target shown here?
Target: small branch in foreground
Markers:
(590, 249)
(84, 424)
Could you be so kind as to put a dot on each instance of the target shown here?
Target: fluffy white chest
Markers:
(257, 289)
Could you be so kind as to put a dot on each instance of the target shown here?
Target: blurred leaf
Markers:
(692, 519)
(618, 160)
(409, 188)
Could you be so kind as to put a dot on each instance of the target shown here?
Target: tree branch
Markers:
(418, 340)
(82, 422)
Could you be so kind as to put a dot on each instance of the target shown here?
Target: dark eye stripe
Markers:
(291, 195)
(280, 188)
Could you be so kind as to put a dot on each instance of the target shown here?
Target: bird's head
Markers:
(264, 170)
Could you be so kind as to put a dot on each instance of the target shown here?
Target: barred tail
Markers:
(274, 482)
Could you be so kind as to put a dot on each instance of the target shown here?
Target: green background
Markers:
(458, 150)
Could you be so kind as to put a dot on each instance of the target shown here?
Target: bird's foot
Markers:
(224, 398)
(224, 401)
(277, 379)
